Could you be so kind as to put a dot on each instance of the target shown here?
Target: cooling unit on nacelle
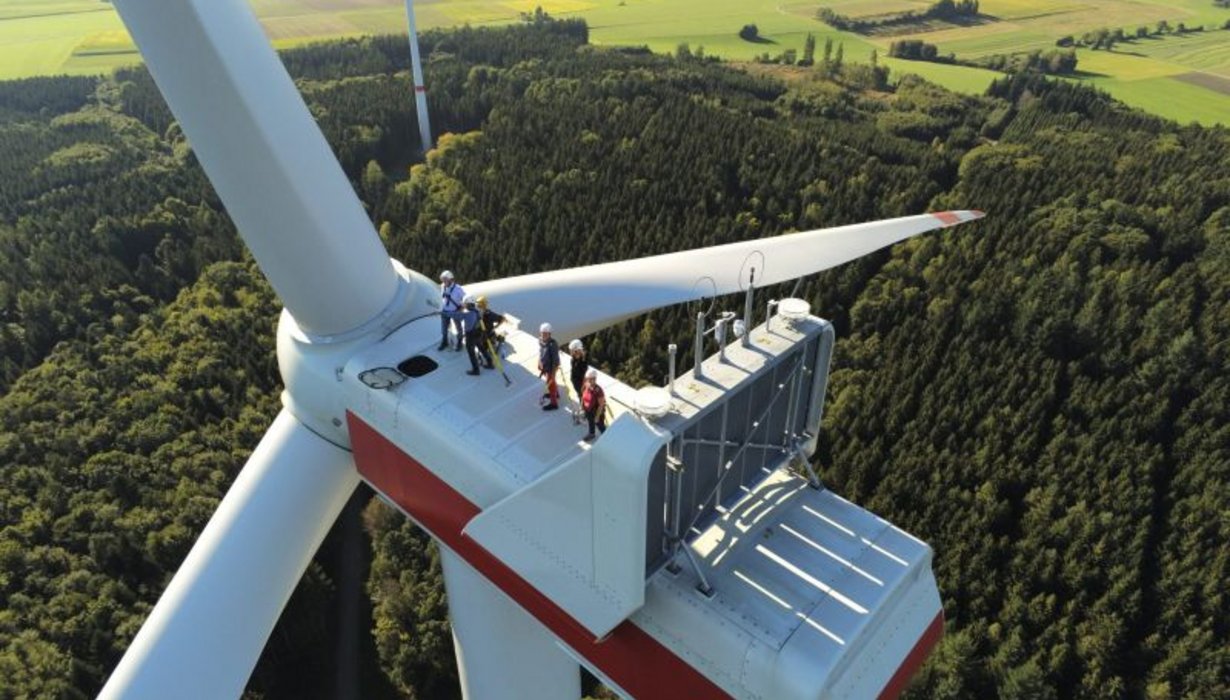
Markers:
(688, 552)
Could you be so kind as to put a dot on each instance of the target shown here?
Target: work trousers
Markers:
(447, 317)
(596, 417)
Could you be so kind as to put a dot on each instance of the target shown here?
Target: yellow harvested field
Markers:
(105, 41)
(554, 7)
(863, 8)
(391, 20)
(307, 25)
(1029, 9)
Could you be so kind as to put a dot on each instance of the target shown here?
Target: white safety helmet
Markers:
(591, 373)
(469, 300)
(544, 328)
(446, 276)
(575, 345)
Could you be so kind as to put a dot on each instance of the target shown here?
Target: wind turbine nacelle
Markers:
(675, 556)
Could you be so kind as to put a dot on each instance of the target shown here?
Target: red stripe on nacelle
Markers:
(630, 657)
(914, 660)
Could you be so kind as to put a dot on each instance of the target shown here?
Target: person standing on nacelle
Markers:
(579, 364)
(469, 319)
(548, 365)
(453, 297)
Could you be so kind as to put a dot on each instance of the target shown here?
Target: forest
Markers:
(1043, 397)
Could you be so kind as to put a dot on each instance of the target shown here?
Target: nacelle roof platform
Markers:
(677, 556)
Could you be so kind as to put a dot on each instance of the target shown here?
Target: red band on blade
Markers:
(629, 656)
(420, 88)
(947, 218)
(914, 660)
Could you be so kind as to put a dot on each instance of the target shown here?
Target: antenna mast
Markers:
(420, 89)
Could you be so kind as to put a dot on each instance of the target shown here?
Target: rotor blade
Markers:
(204, 636)
(580, 300)
(266, 157)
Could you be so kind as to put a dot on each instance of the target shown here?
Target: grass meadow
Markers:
(42, 37)
(1143, 72)
(1170, 98)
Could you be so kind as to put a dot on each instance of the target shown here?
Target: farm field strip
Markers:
(862, 8)
(86, 37)
(1174, 76)
(1124, 66)
(972, 81)
(1172, 98)
(1207, 51)
(997, 38)
(44, 45)
(21, 9)
(1207, 80)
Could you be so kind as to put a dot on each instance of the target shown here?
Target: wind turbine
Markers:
(517, 634)
(420, 87)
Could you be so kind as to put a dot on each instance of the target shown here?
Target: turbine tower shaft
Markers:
(501, 650)
(420, 88)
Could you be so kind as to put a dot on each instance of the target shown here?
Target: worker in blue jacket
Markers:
(452, 296)
(471, 330)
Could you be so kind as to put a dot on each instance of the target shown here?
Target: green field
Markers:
(1205, 51)
(1141, 72)
(81, 37)
(1171, 98)
(40, 37)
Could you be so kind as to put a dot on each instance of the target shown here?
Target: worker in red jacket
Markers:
(593, 402)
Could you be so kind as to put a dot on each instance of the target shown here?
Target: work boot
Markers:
(472, 372)
(443, 344)
(551, 407)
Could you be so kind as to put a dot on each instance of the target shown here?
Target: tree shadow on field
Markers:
(758, 40)
(1087, 75)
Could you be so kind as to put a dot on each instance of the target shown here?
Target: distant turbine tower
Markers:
(420, 89)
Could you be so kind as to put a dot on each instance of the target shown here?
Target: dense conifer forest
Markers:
(1044, 397)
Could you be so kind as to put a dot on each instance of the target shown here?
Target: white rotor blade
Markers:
(580, 300)
(204, 636)
(267, 159)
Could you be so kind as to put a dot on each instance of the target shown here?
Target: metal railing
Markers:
(766, 415)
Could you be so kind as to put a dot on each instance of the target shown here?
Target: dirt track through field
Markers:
(1206, 80)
